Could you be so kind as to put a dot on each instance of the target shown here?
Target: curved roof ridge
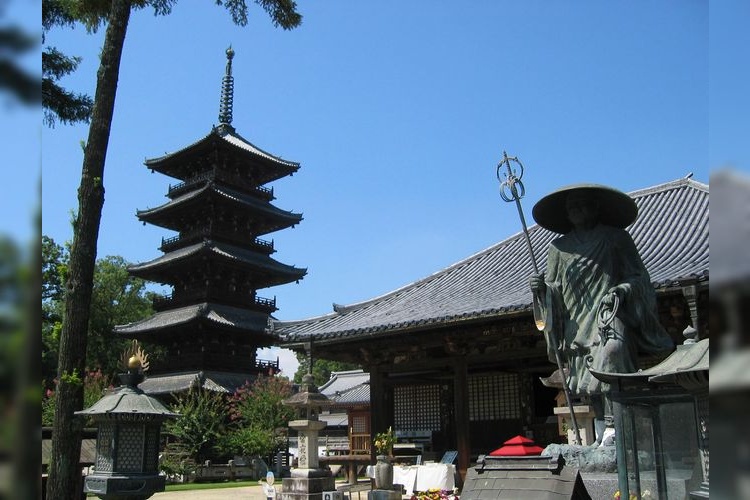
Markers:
(235, 194)
(234, 134)
(157, 159)
(666, 186)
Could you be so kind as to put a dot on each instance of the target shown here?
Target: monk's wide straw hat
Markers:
(615, 207)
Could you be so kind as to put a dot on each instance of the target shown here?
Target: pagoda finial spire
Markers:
(227, 94)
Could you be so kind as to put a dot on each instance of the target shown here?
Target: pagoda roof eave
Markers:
(229, 253)
(170, 383)
(223, 138)
(226, 317)
(162, 214)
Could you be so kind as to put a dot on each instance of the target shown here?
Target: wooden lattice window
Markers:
(494, 396)
(417, 407)
(359, 432)
(359, 424)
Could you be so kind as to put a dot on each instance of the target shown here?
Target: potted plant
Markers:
(383, 468)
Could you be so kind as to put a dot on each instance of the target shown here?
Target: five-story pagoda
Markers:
(213, 322)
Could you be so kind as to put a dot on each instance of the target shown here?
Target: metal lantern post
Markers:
(661, 420)
(127, 443)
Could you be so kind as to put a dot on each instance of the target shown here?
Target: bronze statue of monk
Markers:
(596, 293)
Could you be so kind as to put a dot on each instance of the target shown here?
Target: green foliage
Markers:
(16, 42)
(13, 368)
(54, 272)
(54, 269)
(117, 298)
(60, 104)
(261, 401)
(250, 441)
(384, 442)
(201, 423)
(322, 369)
(283, 12)
(72, 378)
(259, 419)
(95, 383)
(176, 464)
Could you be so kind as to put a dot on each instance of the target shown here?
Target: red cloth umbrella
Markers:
(517, 446)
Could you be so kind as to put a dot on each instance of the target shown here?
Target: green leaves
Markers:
(259, 419)
(321, 370)
(117, 298)
(200, 424)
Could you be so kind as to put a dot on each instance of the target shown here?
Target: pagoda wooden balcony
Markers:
(234, 181)
(190, 357)
(264, 365)
(170, 301)
(191, 237)
(185, 186)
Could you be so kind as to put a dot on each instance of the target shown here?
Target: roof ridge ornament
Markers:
(227, 95)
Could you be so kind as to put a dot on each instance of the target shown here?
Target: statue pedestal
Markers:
(584, 417)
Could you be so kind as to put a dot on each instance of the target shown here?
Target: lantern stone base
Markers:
(307, 484)
(120, 487)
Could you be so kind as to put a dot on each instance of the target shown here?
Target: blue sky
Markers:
(399, 113)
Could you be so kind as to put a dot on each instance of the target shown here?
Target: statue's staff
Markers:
(512, 189)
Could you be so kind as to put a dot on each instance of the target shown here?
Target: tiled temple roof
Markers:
(671, 233)
(348, 388)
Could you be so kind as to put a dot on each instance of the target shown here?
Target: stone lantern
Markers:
(127, 443)
(308, 480)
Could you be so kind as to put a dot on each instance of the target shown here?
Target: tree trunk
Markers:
(64, 480)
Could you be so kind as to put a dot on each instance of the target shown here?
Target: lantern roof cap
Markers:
(128, 400)
(308, 395)
(686, 359)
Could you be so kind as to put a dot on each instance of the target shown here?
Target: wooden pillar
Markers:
(461, 407)
(378, 416)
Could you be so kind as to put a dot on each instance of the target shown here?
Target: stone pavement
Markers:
(240, 493)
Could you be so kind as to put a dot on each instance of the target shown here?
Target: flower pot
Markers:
(383, 473)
